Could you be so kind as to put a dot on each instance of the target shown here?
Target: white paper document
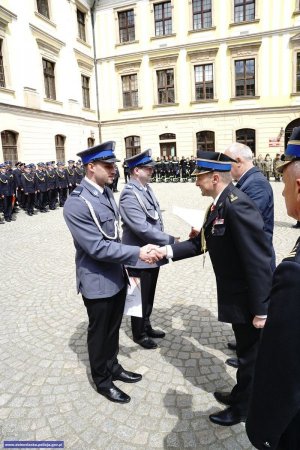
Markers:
(194, 217)
(133, 302)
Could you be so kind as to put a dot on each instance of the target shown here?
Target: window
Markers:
(205, 140)
(85, 86)
(130, 90)
(167, 136)
(163, 18)
(43, 8)
(244, 77)
(165, 86)
(132, 145)
(244, 10)
(204, 82)
(81, 24)
(246, 136)
(9, 146)
(126, 26)
(2, 77)
(60, 147)
(49, 79)
(202, 17)
(90, 142)
(297, 72)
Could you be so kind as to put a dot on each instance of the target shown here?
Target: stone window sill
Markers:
(249, 97)
(120, 44)
(50, 100)
(162, 36)
(206, 100)
(201, 30)
(7, 91)
(245, 22)
(165, 105)
(130, 108)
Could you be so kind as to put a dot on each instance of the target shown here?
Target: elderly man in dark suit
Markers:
(274, 414)
(142, 223)
(233, 235)
(92, 217)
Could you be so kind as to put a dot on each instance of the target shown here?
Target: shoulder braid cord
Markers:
(142, 204)
(92, 211)
(203, 240)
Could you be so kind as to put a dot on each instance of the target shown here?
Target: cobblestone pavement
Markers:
(46, 389)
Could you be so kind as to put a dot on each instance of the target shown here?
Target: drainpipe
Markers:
(96, 72)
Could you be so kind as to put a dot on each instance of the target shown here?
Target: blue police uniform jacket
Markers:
(99, 260)
(142, 226)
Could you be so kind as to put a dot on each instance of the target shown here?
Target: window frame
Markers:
(202, 12)
(130, 91)
(40, 4)
(206, 142)
(204, 81)
(85, 89)
(136, 148)
(2, 71)
(244, 4)
(128, 27)
(244, 52)
(244, 78)
(81, 24)
(165, 88)
(163, 18)
(152, 4)
(49, 90)
(60, 150)
(245, 142)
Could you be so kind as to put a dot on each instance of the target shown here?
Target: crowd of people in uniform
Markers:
(41, 186)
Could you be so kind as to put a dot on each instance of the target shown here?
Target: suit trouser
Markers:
(148, 285)
(290, 439)
(105, 317)
(247, 343)
(62, 192)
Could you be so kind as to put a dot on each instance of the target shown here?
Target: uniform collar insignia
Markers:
(95, 192)
(232, 197)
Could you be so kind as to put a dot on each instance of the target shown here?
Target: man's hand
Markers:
(148, 254)
(258, 322)
(193, 233)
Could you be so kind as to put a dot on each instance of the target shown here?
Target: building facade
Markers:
(179, 75)
(48, 105)
(171, 75)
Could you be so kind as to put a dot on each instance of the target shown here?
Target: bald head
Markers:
(243, 156)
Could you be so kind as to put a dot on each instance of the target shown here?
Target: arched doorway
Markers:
(168, 144)
(289, 130)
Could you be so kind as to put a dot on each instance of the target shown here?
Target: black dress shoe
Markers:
(146, 342)
(228, 417)
(233, 362)
(231, 345)
(155, 333)
(127, 377)
(297, 225)
(224, 397)
(114, 394)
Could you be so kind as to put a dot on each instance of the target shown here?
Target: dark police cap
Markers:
(212, 161)
(71, 161)
(60, 163)
(141, 159)
(8, 163)
(102, 152)
(2, 166)
(292, 151)
(40, 164)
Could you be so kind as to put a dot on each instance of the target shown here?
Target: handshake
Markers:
(152, 253)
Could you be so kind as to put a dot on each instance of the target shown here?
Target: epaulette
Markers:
(77, 191)
(232, 197)
(129, 186)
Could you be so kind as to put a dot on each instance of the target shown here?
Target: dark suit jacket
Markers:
(276, 389)
(240, 256)
(257, 187)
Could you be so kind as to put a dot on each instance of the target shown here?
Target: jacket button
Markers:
(267, 444)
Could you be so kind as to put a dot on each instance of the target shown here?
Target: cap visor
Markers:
(196, 173)
(282, 166)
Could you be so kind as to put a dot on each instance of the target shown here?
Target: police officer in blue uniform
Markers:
(274, 414)
(52, 184)
(41, 186)
(233, 235)
(28, 183)
(61, 183)
(142, 223)
(93, 218)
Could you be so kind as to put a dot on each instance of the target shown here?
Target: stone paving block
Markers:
(44, 382)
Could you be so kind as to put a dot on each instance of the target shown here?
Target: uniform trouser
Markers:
(290, 439)
(7, 206)
(247, 343)
(148, 285)
(105, 317)
(30, 201)
(52, 194)
(42, 200)
(62, 192)
(20, 197)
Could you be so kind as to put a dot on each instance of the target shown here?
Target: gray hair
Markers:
(295, 168)
(240, 151)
